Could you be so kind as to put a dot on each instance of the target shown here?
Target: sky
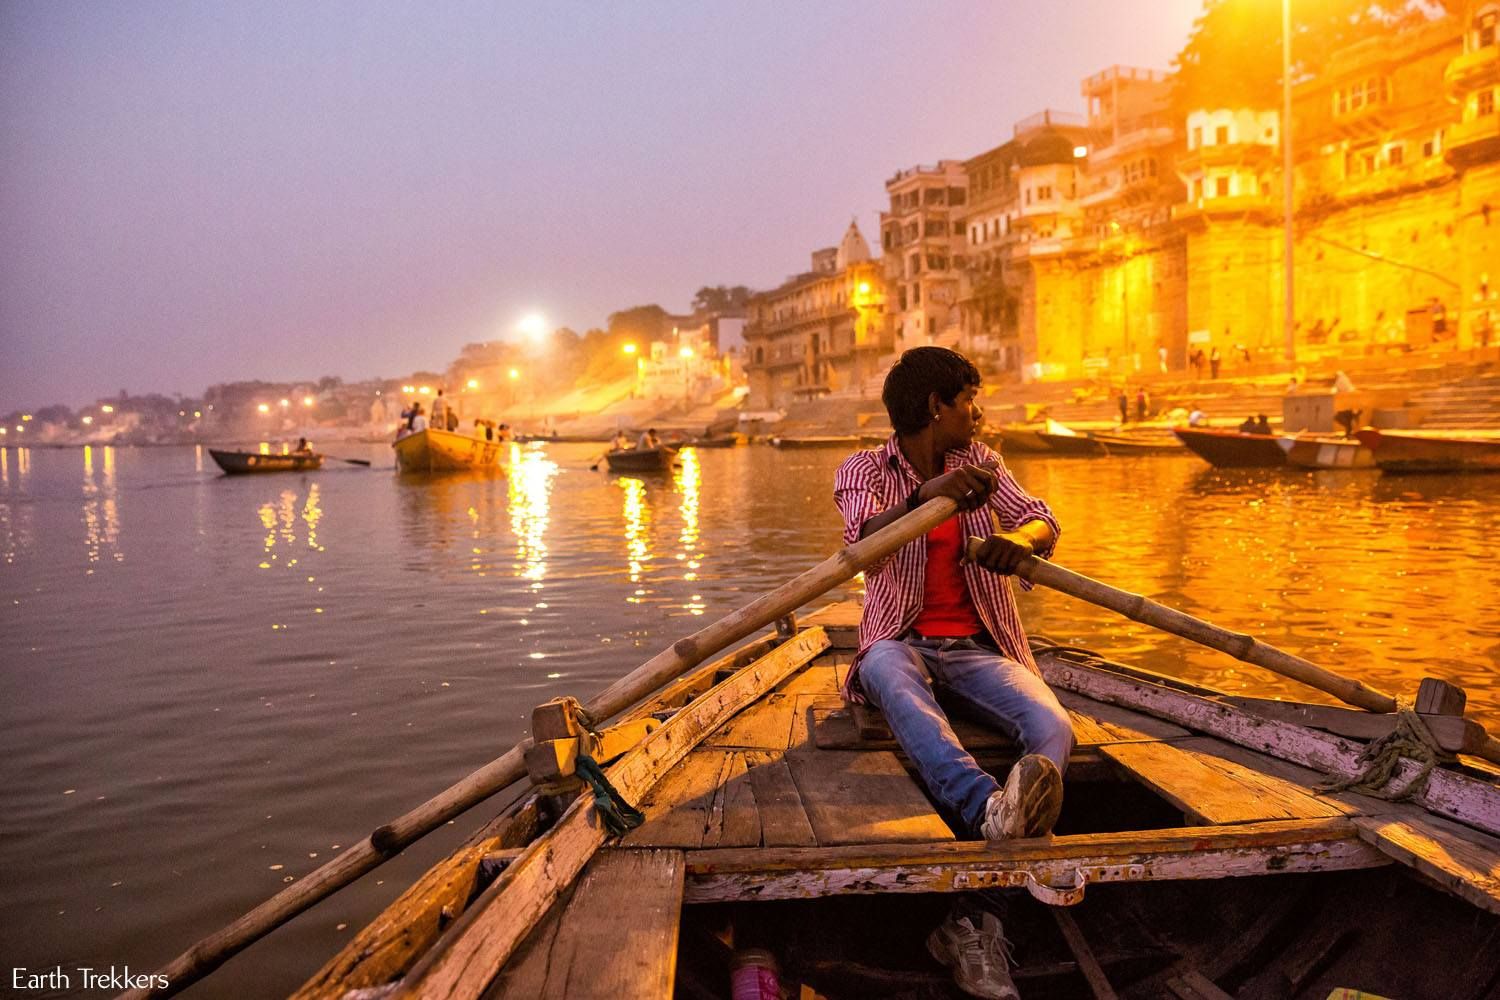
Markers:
(193, 193)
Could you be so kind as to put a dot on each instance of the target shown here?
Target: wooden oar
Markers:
(1238, 645)
(352, 461)
(684, 654)
(594, 466)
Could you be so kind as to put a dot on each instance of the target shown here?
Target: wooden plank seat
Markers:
(1457, 858)
(1212, 790)
(585, 949)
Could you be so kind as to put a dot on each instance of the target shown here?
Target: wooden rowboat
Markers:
(1192, 831)
(1231, 449)
(818, 441)
(432, 450)
(1316, 451)
(1146, 443)
(727, 441)
(641, 459)
(1417, 451)
(237, 463)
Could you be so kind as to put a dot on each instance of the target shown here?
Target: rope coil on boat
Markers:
(1410, 740)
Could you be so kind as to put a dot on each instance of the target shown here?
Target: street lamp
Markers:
(629, 348)
(1289, 307)
(473, 383)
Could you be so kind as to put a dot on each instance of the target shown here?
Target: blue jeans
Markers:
(898, 676)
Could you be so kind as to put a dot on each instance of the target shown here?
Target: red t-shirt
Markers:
(947, 608)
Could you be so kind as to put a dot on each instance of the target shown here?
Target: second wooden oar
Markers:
(1237, 644)
(211, 952)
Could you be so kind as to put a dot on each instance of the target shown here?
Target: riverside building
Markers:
(819, 332)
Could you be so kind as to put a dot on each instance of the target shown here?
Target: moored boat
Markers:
(432, 450)
(1420, 451)
(1069, 442)
(1230, 448)
(1138, 444)
(1022, 437)
(726, 441)
(237, 463)
(641, 459)
(1317, 451)
(818, 441)
(1193, 826)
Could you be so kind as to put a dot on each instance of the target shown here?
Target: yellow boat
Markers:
(444, 451)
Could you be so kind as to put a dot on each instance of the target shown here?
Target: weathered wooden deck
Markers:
(789, 800)
(794, 798)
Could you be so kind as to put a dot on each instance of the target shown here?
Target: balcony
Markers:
(1472, 70)
(1257, 207)
(1232, 154)
(1474, 141)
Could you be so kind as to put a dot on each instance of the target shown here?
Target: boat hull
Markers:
(1314, 452)
(1405, 453)
(820, 441)
(641, 459)
(241, 463)
(1232, 449)
(1077, 445)
(432, 451)
(1120, 444)
(1018, 438)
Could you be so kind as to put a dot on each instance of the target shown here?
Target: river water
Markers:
(212, 685)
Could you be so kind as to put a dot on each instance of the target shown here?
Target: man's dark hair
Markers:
(921, 372)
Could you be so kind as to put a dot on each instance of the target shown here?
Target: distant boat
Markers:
(641, 459)
(1231, 449)
(1138, 444)
(239, 463)
(818, 441)
(1022, 437)
(1315, 451)
(1061, 439)
(433, 450)
(1417, 451)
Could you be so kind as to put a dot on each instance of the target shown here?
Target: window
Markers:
(935, 227)
(1485, 102)
(1485, 25)
(916, 295)
(1197, 136)
(1198, 189)
(1221, 135)
(1028, 196)
(914, 264)
(1221, 187)
(1044, 192)
(957, 196)
(1395, 155)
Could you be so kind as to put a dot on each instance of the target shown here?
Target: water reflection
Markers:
(101, 507)
(529, 493)
(687, 477)
(279, 518)
(637, 516)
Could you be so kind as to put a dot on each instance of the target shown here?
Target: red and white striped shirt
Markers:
(871, 482)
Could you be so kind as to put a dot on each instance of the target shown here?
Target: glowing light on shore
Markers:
(513, 373)
(106, 408)
(685, 352)
(533, 325)
(307, 401)
(473, 383)
(87, 421)
(629, 348)
(408, 388)
(285, 403)
(1079, 152)
(425, 390)
(264, 408)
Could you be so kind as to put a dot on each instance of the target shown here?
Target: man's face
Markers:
(961, 420)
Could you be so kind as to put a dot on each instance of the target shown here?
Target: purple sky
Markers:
(200, 192)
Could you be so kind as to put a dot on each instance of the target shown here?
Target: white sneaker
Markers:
(1028, 804)
(978, 955)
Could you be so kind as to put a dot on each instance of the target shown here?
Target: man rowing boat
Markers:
(934, 621)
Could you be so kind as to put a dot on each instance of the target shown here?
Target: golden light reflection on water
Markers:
(279, 518)
(637, 517)
(688, 478)
(529, 489)
(197, 458)
(101, 507)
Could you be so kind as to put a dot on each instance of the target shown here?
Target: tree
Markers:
(718, 298)
(641, 324)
